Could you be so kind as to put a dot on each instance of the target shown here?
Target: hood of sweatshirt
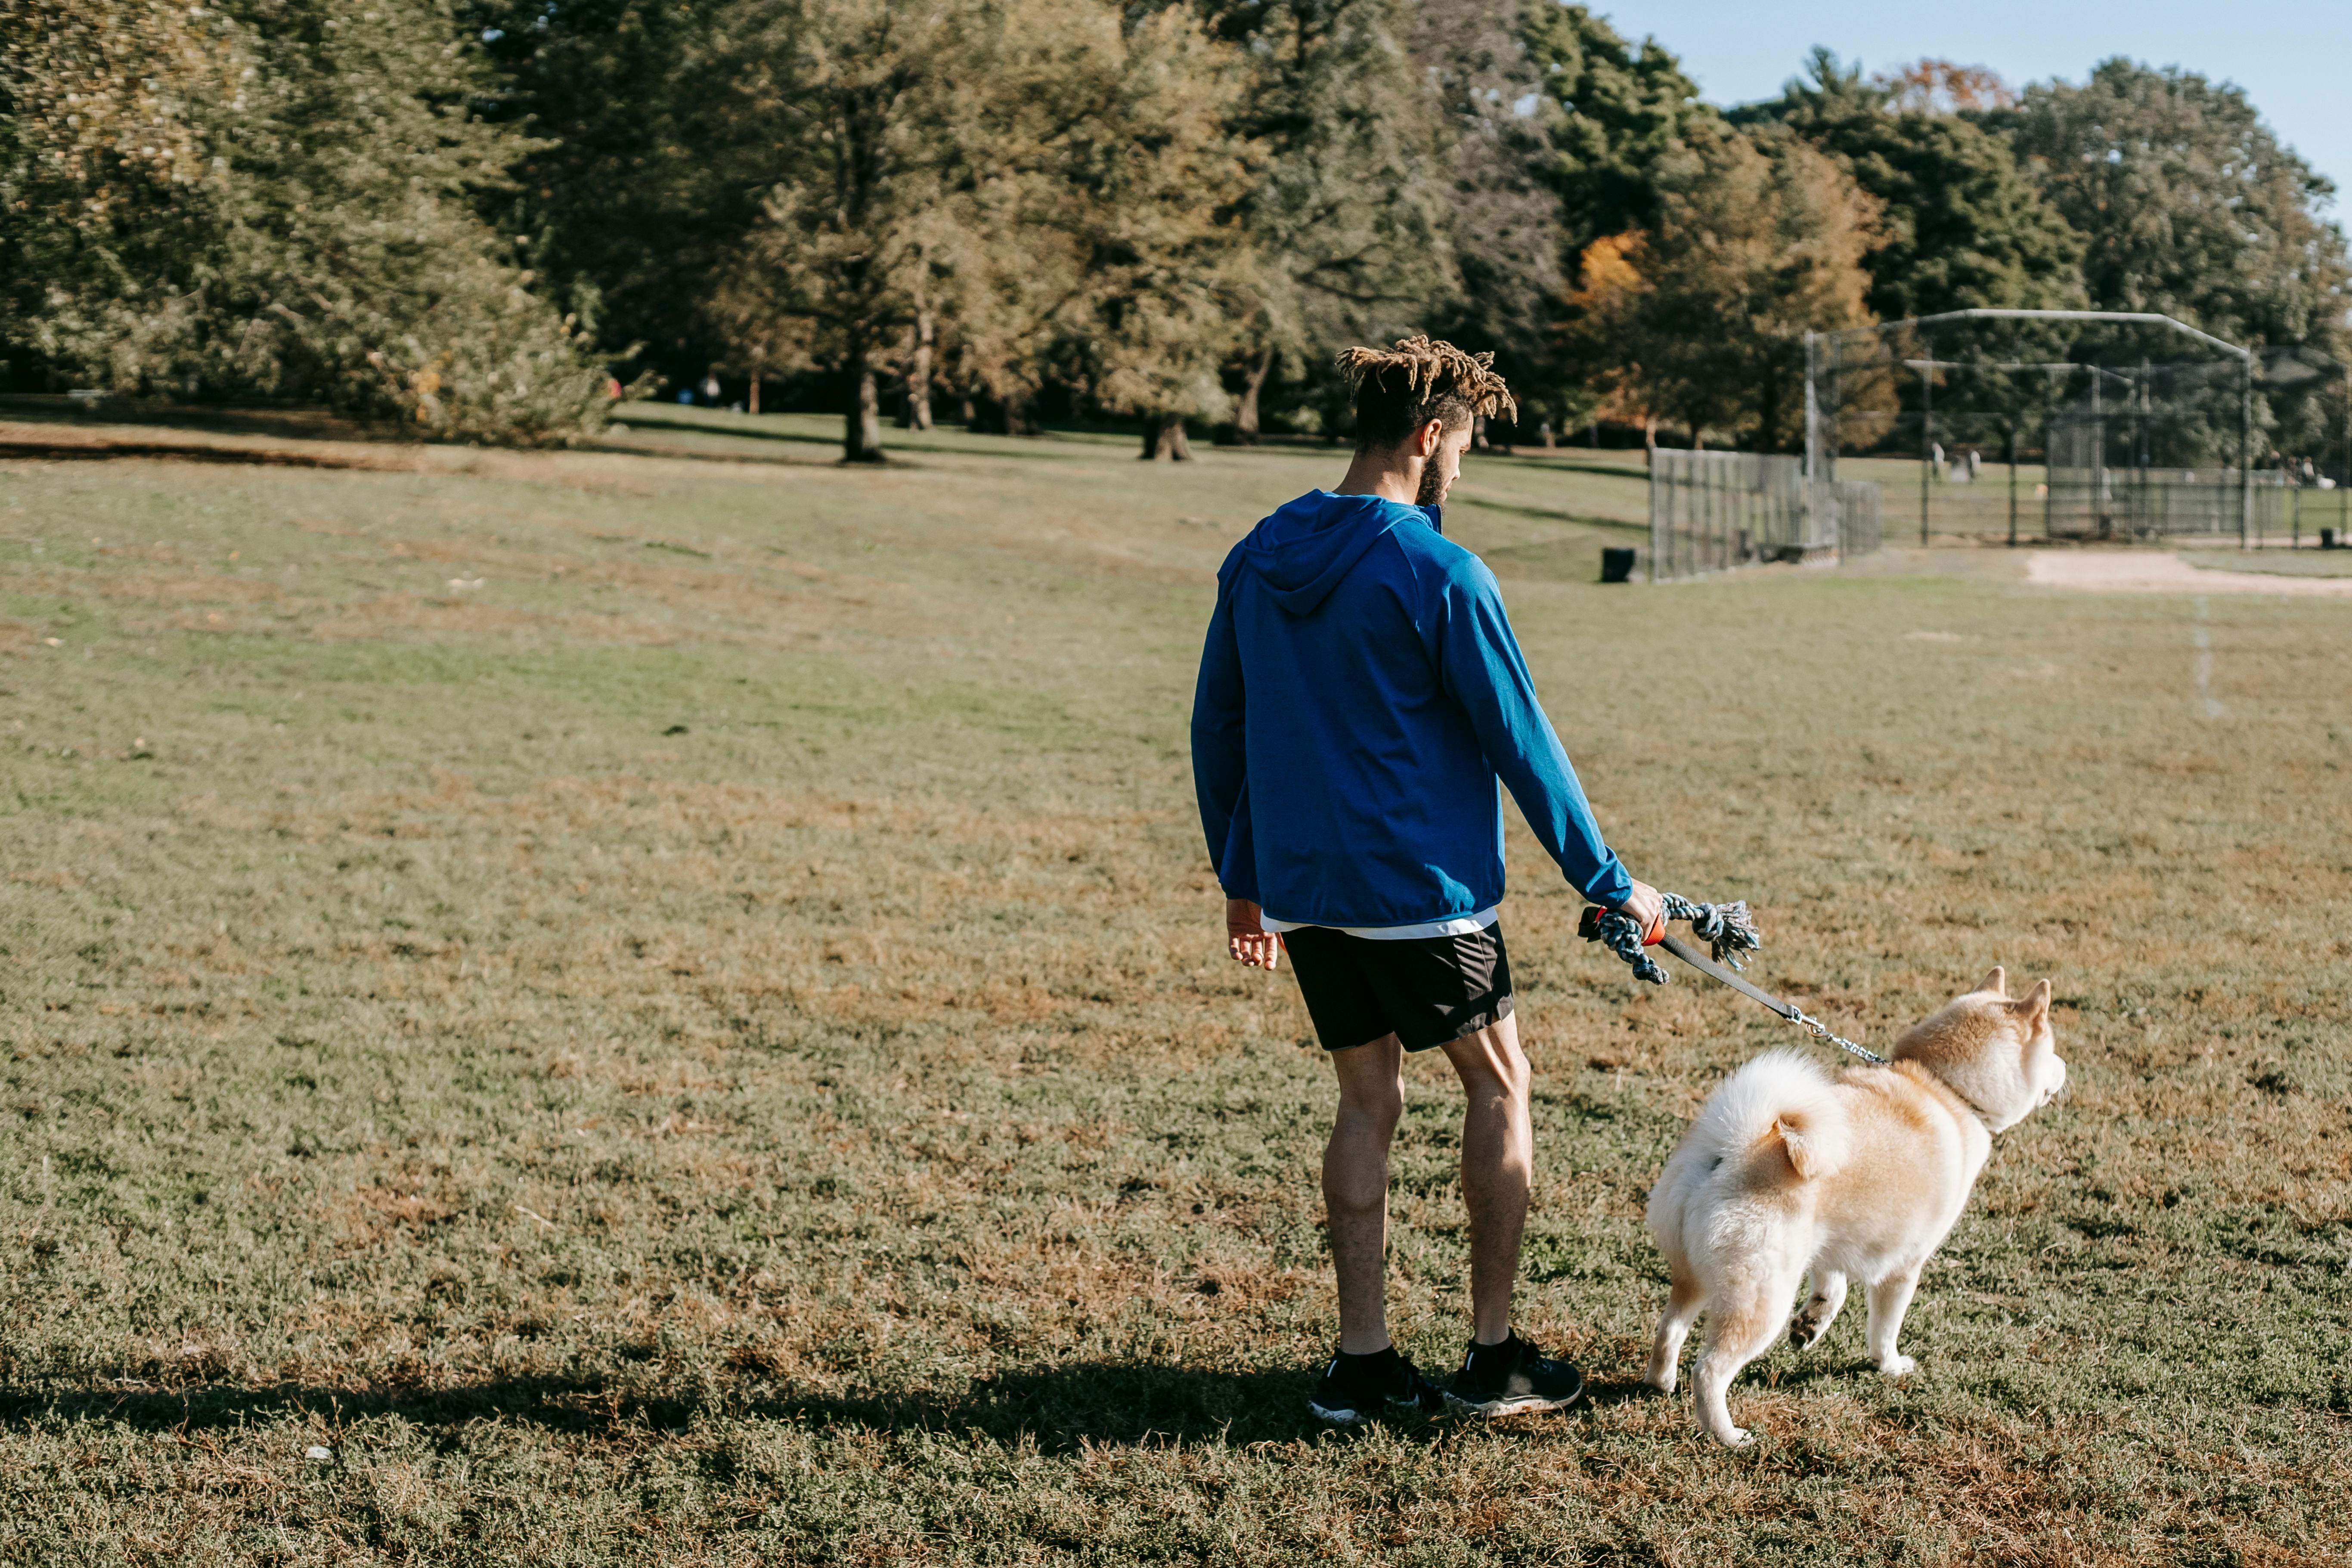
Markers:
(1305, 549)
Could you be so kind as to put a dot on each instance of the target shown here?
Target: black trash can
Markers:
(1616, 564)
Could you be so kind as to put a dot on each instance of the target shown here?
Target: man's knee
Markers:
(1376, 1106)
(1490, 1063)
(1371, 1088)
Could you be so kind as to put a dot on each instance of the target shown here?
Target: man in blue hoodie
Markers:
(1360, 694)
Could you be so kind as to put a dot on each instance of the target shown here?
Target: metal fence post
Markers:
(1814, 493)
(2245, 450)
(1926, 434)
(1656, 534)
(2012, 479)
(2049, 453)
(2099, 455)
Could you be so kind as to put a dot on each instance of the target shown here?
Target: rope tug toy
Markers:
(1727, 929)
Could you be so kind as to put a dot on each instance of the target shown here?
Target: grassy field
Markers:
(666, 1006)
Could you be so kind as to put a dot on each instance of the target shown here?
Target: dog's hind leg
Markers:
(1889, 1299)
(1740, 1326)
(1682, 1309)
(1820, 1310)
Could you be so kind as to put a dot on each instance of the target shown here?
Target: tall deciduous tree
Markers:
(642, 181)
(105, 171)
(1702, 317)
(1502, 216)
(1167, 278)
(1964, 226)
(1347, 223)
(1616, 111)
(1941, 87)
(862, 121)
(2189, 204)
(1093, 238)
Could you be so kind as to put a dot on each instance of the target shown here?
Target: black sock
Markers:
(1490, 1355)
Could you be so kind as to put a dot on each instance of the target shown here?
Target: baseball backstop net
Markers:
(2054, 425)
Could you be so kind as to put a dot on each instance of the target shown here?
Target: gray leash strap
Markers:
(1728, 931)
(1789, 1010)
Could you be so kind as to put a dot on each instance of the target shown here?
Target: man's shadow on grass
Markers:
(1059, 1409)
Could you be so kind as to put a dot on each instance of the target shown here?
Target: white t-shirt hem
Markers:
(1458, 925)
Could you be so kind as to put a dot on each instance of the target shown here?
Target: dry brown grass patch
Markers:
(431, 617)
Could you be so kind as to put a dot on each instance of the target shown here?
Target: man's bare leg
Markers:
(1356, 1187)
(1497, 1150)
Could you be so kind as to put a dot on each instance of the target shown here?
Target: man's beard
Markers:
(1433, 486)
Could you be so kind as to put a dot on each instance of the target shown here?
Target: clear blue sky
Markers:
(2294, 58)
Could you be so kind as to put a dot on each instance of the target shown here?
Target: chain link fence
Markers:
(1710, 511)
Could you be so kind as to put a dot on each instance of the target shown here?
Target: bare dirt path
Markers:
(2160, 571)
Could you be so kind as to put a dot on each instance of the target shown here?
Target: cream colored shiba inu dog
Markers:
(1790, 1172)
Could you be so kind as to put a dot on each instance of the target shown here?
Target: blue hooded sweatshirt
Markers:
(1360, 694)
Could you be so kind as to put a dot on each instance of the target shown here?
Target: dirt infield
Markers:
(2160, 571)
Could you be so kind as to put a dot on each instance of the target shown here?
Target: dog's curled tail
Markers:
(1782, 1108)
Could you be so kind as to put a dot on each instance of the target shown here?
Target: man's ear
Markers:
(1431, 440)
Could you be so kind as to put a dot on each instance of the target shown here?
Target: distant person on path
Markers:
(1360, 694)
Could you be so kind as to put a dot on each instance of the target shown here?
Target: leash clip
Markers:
(1821, 1032)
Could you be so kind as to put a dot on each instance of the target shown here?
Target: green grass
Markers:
(712, 1046)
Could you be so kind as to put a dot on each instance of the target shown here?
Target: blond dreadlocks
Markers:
(1399, 390)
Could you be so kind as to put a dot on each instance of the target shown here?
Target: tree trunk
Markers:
(1650, 441)
(970, 414)
(1246, 427)
(861, 440)
(1163, 439)
(754, 400)
(919, 372)
(1020, 413)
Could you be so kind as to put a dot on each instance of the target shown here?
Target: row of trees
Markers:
(1154, 212)
(463, 213)
(1849, 200)
(292, 198)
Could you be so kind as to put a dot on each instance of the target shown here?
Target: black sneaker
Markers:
(1355, 1388)
(1512, 1379)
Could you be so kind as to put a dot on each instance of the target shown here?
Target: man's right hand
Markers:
(1645, 904)
(1248, 941)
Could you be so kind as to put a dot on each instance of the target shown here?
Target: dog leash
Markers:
(1728, 931)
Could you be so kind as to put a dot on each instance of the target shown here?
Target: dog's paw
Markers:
(1737, 1438)
(1897, 1366)
(1659, 1385)
(1804, 1331)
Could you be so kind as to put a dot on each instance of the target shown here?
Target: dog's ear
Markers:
(2032, 1008)
(1996, 981)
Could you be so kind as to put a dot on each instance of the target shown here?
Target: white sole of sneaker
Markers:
(1520, 1404)
(1336, 1418)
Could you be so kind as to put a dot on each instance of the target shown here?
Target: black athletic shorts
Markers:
(1425, 990)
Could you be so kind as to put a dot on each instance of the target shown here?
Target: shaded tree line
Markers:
(472, 216)
(287, 197)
